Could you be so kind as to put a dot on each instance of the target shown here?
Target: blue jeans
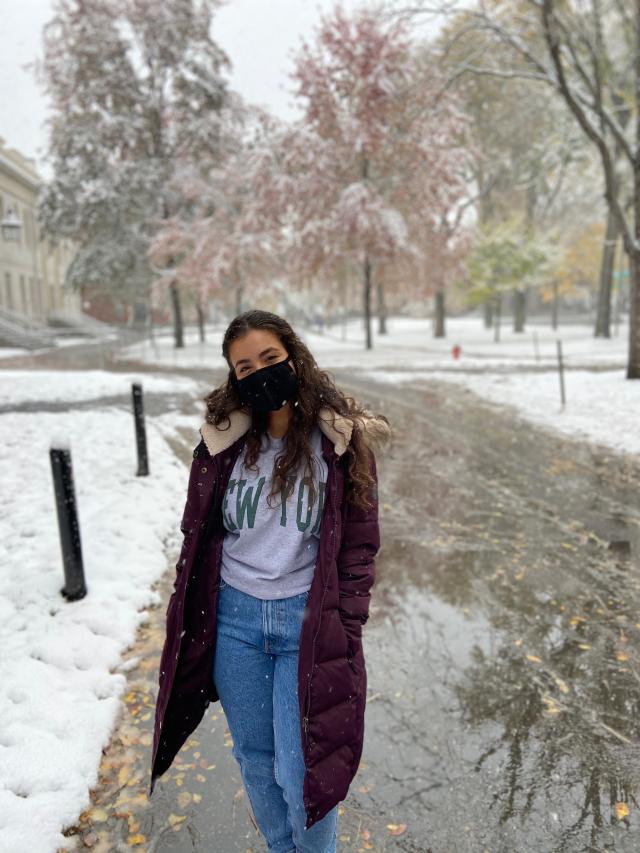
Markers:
(256, 676)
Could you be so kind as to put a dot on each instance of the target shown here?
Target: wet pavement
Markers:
(502, 655)
(502, 649)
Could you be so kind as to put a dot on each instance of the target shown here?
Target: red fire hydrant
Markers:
(456, 350)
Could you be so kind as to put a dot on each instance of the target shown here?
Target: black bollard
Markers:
(141, 435)
(74, 584)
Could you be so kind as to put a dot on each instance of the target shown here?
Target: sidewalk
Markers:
(198, 804)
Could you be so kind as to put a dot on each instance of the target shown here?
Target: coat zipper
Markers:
(195, 560)
(219, 546)
(305, 719)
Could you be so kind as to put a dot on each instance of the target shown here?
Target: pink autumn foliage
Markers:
(227, 240)
(378, 161)
(376, 167)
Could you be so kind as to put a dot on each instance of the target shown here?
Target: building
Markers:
(32, 271)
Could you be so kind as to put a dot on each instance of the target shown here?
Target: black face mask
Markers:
(269, 388)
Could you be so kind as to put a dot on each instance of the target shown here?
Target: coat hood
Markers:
(338, 428)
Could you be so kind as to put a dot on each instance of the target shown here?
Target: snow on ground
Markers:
(601, 405)
(410, 344)
(59, 664)
(53, 386)
(60, 341)
(11, 352)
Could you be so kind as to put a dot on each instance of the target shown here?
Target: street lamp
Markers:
(11, 226)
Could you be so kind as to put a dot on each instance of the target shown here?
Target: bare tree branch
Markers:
(551, 38)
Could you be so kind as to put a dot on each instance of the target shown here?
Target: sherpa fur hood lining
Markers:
(338, 428)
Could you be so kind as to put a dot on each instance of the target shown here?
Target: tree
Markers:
(527, 147)
(505, 256)
(373, 153)
(351, 80)
(576, 267)
(219, 242)
(590, 56)
(136, 88)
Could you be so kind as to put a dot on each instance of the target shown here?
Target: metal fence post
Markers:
(74, 582)
(141, 435)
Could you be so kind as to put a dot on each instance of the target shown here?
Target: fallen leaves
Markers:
(96, 815)
(552, 705)
(561, 684)
(621, 810)
(365, 843)
(184, 799)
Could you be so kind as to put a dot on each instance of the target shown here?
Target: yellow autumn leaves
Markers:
(364, 837)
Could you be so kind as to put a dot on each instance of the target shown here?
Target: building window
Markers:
(11, 225)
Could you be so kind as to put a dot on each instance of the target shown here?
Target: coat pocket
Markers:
(353, 632)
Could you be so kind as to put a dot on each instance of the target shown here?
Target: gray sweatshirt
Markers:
(270, 551)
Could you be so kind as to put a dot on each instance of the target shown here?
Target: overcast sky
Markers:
(258, 35)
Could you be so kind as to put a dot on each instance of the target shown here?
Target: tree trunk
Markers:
(488, 314)
(497, 311)
(382, 312)
(177, 316)
(200, 311)
(150, 324)
(367, 272)
(239, 300)
(603, 316)
(633, 366)
(367, 301)
(554, 306)
(439, 331)
(139, 313)
(633, 250)
(519, 309)
(344, 307)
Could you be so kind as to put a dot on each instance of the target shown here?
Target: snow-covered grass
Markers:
(61, 686)
(52, 386)
(600, 406)
(478, 347)
(410, 345)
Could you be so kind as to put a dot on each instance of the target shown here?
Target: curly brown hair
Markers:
(315, 390)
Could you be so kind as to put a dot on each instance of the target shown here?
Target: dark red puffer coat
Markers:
(332, 677)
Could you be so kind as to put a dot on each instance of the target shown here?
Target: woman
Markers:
(270, 598)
